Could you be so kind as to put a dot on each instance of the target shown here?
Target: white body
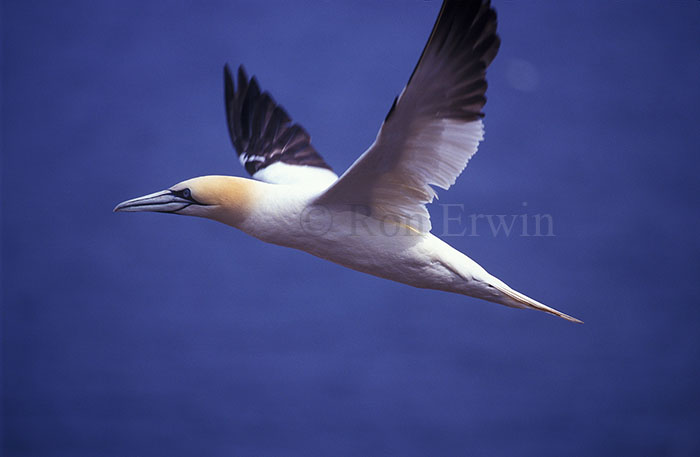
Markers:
(291, 215)
(286, 216)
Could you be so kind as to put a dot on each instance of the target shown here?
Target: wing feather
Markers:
(269, 145)
(433, 128)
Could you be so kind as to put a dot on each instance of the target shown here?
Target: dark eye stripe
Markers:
(184, 193)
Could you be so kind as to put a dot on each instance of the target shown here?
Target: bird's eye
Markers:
(186, 193)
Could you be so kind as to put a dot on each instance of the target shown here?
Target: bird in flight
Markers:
(373, 218)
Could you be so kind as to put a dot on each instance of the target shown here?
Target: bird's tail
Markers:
(523, 301)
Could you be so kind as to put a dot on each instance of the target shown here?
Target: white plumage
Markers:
(393, 178)
(373, 218)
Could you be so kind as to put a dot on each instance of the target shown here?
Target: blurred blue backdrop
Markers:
(149, 334)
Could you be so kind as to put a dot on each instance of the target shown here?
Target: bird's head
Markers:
(226, 199)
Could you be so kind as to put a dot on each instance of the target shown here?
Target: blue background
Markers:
(149, 334)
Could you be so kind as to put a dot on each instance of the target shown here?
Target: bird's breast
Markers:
(352, 239)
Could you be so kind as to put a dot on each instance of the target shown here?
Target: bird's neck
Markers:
(230, 199)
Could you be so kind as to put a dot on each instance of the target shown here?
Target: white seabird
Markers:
(373, 218)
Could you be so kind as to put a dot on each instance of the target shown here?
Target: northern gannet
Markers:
(373, 218)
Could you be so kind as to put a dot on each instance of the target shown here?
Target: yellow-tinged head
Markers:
(227, 199)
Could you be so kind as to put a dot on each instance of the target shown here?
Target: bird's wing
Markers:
(433, 127)
(269, 145)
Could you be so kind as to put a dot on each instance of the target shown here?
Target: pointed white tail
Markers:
(532, 304)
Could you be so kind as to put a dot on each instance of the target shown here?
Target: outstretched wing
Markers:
(269, 145)
(434, 126)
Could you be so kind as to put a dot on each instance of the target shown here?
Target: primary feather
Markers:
(434, 126)
(263, 133)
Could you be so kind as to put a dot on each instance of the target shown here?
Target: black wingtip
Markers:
(242, 75)
(465, 36)
(228, 82)
(259, 127)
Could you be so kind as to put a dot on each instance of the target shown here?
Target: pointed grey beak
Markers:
(165, 201)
